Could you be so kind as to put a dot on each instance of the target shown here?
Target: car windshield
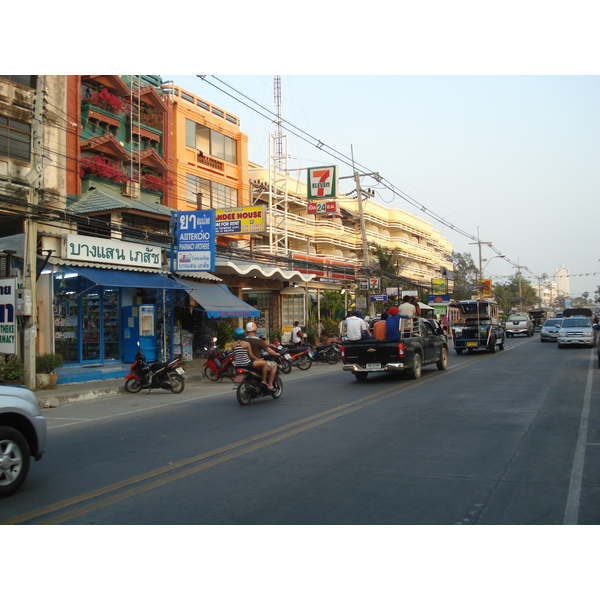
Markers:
(552, 322)
(576, 323)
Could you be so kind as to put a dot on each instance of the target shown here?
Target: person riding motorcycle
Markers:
(258, 345)
(245, 357)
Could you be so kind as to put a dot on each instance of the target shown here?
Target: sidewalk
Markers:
(89, 390)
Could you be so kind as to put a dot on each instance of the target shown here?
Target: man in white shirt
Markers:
(355, 327)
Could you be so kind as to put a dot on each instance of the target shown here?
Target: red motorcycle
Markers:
(218, 366)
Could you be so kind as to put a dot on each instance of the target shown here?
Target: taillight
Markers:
(343, 350)
(401, 349)
(240, 371)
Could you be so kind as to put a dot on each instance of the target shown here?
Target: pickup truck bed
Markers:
(409, 354)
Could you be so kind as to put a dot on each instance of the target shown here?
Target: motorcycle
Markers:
(300, 357)
(217, 366)
(248, 386)
(328, 353)
(158, 375)
(284, 360)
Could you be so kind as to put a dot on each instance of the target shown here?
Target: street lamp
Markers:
(487, 260)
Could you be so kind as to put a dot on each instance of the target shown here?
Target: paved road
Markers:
(509, 438)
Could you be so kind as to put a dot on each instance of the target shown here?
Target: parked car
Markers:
(517, 324)
(22, 435)
(576, 331)
(549, 330)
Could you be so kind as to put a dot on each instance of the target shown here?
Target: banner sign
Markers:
(322, 183)
(438, 299)
(244, 219)
(8, 316)
(321, 208)
(378, 297)
(485, 287)
(438, 286)
(195, 249)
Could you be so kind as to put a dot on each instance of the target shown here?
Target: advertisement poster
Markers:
(242, 219)
(195, 241)
(8, 317)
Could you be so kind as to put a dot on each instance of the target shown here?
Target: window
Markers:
(27, 80)
(214, 195)
(210, 142)
(15, 139)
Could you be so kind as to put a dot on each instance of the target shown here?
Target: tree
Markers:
(517, 292)
(466, 275)
(332, 303)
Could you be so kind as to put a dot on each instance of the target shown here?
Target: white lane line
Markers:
(572, 507)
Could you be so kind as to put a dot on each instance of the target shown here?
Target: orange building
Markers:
(208, 158)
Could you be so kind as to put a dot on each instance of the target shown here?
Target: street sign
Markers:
(378, 297)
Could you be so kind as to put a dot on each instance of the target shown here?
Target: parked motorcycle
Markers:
(300, 357)
(329, 353)
(218, 366)
(158, 375)
(248, 386)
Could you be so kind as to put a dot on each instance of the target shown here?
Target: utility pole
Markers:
(479, 243)
(519, 267)
(361, 216)
(30, 248)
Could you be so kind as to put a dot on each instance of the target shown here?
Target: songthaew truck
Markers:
(476, 326)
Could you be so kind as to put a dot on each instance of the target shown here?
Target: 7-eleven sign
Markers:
(322, 183)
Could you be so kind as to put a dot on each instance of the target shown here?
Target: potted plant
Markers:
(48, 363)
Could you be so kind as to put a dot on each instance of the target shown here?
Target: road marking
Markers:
(195, 464)
(572, 507)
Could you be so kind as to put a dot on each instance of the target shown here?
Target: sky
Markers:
(513, 160)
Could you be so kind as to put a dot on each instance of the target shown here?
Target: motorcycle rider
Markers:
(245, 357)
(258, 345)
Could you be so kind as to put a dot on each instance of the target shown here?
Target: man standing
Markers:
(257, 345)
(355, 327)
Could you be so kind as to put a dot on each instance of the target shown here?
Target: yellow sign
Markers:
(242, 219)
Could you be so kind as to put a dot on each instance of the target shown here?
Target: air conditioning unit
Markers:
(131, 189)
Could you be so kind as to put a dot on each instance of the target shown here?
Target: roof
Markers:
(96, 201)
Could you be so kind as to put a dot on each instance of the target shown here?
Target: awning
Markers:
(130, 279)
(217, 300)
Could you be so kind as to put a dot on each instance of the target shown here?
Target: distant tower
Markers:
(561, 277)
(278, 173)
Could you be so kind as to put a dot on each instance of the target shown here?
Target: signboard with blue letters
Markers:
(8, 317)
(195, 249)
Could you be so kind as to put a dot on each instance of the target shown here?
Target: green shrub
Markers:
(48, 362)
(12, 370)
(224, 334)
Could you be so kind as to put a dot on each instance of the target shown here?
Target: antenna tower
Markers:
(278, 174)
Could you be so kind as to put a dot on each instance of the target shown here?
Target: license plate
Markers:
(471, 344)
(287, 357)
(238, 379)
(180, 370)
(373, 365)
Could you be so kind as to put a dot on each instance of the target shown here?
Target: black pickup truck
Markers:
(426, 345)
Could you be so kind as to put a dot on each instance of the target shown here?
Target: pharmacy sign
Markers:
(322, 183)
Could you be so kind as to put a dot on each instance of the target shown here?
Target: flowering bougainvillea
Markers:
(158, 184)
(104, 99)
(99, 166)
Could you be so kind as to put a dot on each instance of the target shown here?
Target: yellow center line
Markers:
(211, 458)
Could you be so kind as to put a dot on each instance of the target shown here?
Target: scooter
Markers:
(216, 366)
(248, 386)
(300, 357)
(158, 375)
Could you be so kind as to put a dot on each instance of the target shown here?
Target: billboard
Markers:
(241, 219)
(8, 316)
(322, 183)
(195, 250)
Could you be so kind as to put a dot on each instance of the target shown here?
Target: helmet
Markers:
(239, 334)
(251, 326)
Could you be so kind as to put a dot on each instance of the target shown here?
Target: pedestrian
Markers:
(297, 337)
(356, 328)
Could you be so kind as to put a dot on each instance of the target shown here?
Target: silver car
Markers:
(549, 330)
(22, 436)
(576, 331)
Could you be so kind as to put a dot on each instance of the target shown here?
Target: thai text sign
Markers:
(244, 219)
(195, 240)
(8, 317)
(114, 252)
(321, 208)
(322, 183)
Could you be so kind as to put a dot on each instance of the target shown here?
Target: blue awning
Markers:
(129, 279)
(217, 300)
